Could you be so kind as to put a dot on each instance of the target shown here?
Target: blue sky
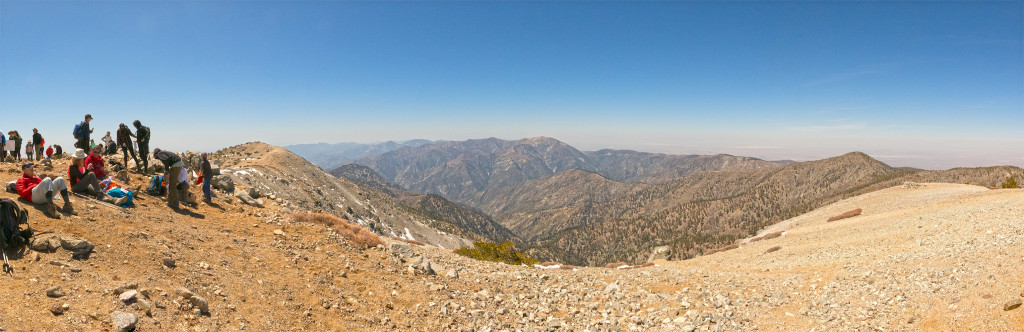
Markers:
(926, 84)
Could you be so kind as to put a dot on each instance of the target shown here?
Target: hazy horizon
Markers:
(920, 84)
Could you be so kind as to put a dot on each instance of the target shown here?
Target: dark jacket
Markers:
(86, 131)
(167, 157)
(142, 133)
(37, 139)
(124, 137)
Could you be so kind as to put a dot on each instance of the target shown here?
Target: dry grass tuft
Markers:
(725, 248)
(772, 249)
(847, 214)
(357, 236)
(768, 236)
(615, 265)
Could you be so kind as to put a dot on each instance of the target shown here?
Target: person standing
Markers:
(206, 171)
(83, 133)
(142, 137)
(108, 144)
(14, 136)
(3, 147)
(29, 149)
(41, 191)
(37, 143)
(173, 165)
(124, 141)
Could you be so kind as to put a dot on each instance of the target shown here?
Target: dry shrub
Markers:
(725, 248)
(772, 249)
(615, 265)
(549, 263)
(357, 236)
(768, 236)
(847, 214)
(504, 252)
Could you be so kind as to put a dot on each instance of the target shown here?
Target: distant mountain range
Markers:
(330, 156)
(590, 208)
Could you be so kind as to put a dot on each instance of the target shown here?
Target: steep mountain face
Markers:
(331, 156)
(467, 171)
(288, 180)
(633, 166)
(474, 225)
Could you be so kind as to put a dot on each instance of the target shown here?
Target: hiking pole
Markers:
(7, 265)
(112, 206)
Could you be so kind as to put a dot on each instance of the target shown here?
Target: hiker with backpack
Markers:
(142, 138)
(124, 141)
(3, 147)
(41, 191)
(37, 144)
(82, 132)
(173, 166)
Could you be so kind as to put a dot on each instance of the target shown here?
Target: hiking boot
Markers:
(100, 195)
(50, 210)
(67, 208)
(121, 201)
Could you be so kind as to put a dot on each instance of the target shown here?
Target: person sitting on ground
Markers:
(173, 166)
(57, 150)
(40, 191)
(115, 190)
(49, 152)
(83, 181)
(94, 162)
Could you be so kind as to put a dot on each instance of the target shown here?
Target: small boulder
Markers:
(1013, 304)
(169, 262)
(223, 183)
(128, 297)
(60, 309)
(454, 274)
(200, 303)
(402, 250)
(123, 321)
(55, 292)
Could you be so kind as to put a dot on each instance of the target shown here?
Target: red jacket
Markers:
(97, 165)
(26, 184)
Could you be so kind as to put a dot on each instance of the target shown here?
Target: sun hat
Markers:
(79, 154)
(27, 165)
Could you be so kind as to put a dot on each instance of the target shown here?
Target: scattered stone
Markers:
(55, 292)
(169, 262)
(223, 183)
(183, 292)
(60, 309)
(128, 297)
(454, 274)
(123, 321)
(402, 250)
(1013, 304)
(126, 287)
(201, 304)
(279, 232)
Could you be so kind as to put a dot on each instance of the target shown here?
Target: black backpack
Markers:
(12, 216)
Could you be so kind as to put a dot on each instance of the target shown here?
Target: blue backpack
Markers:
(156, 186)
(78, 131)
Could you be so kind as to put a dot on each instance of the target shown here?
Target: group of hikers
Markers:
(87, 174)
(11, 145)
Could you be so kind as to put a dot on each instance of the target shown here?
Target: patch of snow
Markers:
(623, 267)
(241, 173)
(548, 267)
(409, 234)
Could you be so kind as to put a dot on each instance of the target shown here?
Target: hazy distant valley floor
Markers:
(942, 257)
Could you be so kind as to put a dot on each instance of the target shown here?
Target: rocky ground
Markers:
(938, 257)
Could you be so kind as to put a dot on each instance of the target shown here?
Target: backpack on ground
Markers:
(156, 186)
(12, 216)
(78, 130)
